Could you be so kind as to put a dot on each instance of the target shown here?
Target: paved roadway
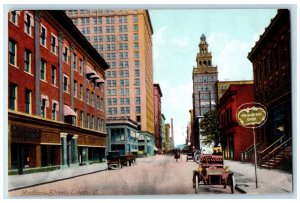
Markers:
(157, 175)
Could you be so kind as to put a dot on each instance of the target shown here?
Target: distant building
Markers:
(163, 132)
(157, 117)
(235, 138)
(222, 86)
(205, 77)
(167, 133)
(56, 116)
(122, 135)
(271, 59)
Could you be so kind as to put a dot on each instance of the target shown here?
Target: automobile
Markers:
(211, 171)
(113, 160)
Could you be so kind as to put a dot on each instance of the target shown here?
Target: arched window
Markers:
(200, 63)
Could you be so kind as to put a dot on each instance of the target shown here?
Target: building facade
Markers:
(222, 86)
(56, 115)
(167, 133)
(124, 39)
(205, 77)
(157, 117)
(122, 135)
(271, 60)
(234, 138)
(163, 132)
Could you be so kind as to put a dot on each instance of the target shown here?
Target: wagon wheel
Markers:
(196, 184)
(232, 185)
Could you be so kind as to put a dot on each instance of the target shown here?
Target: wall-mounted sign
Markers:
(251, 115)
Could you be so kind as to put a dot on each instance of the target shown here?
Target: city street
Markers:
(155, 175)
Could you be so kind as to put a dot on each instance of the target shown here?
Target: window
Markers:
(97, 102)
(138, 109)
(137, 82)
(53, 75)
(137, 100)
(54, 44)
(27, 61)
(80, 66)
(87, 96)
(80, 91)
(88, 120)
(12, 52)
(135, 19)
(136, 45)
(81, 121)
(54, 107)
(137, 91)
(136, 73)
(14, 17)
(98, 124)
(75, 61)
(93, 122)
(102, 105)
(43, 108)
(66, 78)
(135, 37)
(136, 64)
(28, 21)
(43, 69)
(43, 36)
(75, 88)
(135, 28)
(13, 96)
(127, 110)
(136, 54)
(66, 55)
(93, 99)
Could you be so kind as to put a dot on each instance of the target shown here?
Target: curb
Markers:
(56, 180)
(240, 190)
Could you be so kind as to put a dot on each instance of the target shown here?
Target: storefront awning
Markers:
(95, 76)
(100, 80)
(68, 111)
(89, 71)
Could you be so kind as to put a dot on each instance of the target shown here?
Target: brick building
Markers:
(124, 39)
(157, 117)
(271, 60)
(56, 115)
(235, 138)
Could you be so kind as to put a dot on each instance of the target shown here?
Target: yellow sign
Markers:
(251, 116)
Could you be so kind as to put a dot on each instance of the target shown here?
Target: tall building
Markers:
(124, 39)
(271, 60)
(167, 133)
(56, 115)
(205, 77)
(157, 117)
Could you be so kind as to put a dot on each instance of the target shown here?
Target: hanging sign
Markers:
(251, 115)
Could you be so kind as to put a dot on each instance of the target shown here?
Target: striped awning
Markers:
(68, 111)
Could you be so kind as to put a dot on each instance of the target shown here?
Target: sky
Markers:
(230, 33)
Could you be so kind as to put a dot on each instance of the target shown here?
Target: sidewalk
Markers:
(22, 181)
(270, 182)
